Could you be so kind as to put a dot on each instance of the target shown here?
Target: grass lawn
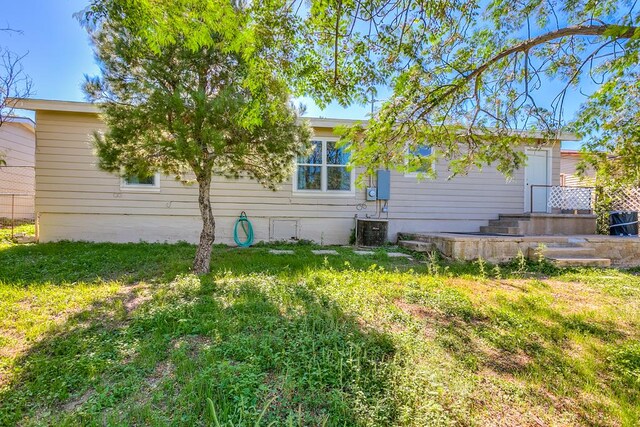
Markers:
(108, 334)
(19, 230)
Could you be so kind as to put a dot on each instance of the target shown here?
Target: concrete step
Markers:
(416, 245)
(563, 252)
(414, 237)
(580, 262)
(519, 217)
(490, 229)
(504, 223)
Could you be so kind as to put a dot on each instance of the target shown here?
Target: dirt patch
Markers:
(413, 310)
(503, 363)
(506, 401)
(579, 297)
(431, 319)
(498, 408)
(9, 352)
(193, 344)
(483, 291)
(163, 370)
(132, 303)
(134, 296)
(74, 404)
(380, 325)
(14, 343)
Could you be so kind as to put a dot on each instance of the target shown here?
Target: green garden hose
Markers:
(244, 222)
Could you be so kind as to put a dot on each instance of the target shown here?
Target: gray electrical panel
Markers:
(384, 184)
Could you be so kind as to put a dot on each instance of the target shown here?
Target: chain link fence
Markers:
(17, 201)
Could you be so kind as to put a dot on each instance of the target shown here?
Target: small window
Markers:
(423, 151)
(324, 169)
(141, 182)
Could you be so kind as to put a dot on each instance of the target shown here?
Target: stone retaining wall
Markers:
(622, 251)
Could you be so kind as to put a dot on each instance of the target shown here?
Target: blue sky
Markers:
(59, 53)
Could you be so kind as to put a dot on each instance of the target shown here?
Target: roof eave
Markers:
(26, 122)
(51, 105)
(89, 108)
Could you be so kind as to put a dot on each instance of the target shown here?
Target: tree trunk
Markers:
(202, 262)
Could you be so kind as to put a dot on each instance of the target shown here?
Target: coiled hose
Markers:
(244, 222)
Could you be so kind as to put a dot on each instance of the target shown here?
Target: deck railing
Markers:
(562, 199)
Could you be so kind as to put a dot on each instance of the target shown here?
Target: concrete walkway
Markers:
(333, 252)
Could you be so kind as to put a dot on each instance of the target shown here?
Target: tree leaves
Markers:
(188, 87)
(483, 71)
(191, 88)
(466, 77)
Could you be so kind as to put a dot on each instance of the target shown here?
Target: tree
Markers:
(609, 123)
(192, 94)
(469, 76)
(14, 82)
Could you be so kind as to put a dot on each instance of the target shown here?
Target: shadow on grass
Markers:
(232, 341)
(69, 262)
(527, 340)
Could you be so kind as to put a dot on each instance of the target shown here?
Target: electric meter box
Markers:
(372, 194)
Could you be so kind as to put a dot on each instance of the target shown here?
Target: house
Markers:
(17, 176)
(569, 160)
(77, 201)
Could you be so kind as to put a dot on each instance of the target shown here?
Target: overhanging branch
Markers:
(525, 46)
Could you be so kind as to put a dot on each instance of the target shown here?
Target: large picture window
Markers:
(324, 170)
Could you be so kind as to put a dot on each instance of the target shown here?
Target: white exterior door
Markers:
(537, 173)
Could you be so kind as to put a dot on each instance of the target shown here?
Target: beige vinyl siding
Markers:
(568, 164)
(17, 143)
(460, 204)
(17, 178)
(75, 200)
(556, 164)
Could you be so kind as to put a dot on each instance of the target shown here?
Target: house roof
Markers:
(90, 108)
(566, 152)
(53, 105)
(23, 121)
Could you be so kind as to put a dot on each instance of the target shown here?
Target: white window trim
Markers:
(124, 186)
(415, 174)
(323, 192)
